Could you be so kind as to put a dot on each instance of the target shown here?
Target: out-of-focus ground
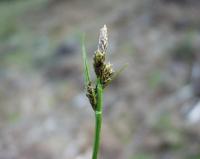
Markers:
(151, 111)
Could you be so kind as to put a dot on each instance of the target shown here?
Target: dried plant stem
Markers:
(98, 116)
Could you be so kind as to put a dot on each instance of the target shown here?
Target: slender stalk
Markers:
(104, 75)
(98, 116)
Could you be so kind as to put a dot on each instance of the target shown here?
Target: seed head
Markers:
(107, 74)
(98, 62)
(99, 56)
(91, 94)
(103, 71)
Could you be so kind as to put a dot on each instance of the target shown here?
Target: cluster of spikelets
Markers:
(103, 70)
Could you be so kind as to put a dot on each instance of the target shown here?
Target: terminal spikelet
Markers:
(103, 39)
(103, 71)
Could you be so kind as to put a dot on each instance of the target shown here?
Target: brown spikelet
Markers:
(91, 94)
(107, 74)
(98, 62)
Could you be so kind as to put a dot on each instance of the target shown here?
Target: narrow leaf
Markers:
(86, 66)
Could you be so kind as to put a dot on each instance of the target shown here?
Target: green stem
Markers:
(98, 116)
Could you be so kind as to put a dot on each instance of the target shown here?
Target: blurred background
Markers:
(151, 111)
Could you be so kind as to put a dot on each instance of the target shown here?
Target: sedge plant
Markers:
(94, 89)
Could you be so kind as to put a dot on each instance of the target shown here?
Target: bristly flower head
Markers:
(107, 74)
(99, 57)
(103, 71)
(91, 94)
(98, 62)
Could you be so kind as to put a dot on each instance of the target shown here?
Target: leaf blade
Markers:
(85, 62)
